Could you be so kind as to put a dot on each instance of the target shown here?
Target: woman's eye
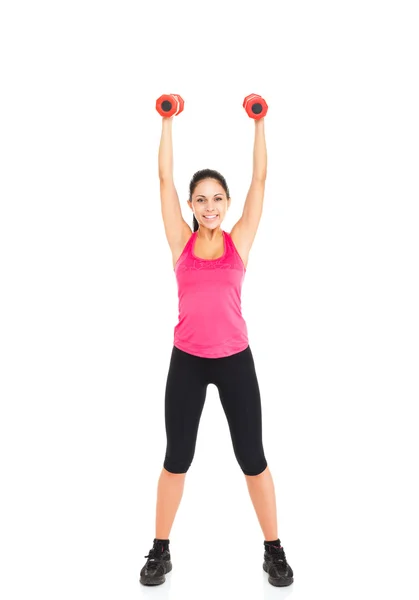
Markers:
(202, 199)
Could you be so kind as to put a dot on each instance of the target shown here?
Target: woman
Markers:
(211, 346)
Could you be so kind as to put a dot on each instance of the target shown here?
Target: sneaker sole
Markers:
(278, 581)
(156, 580)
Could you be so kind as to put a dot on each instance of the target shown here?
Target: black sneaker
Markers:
(275, 564)
(157, 565)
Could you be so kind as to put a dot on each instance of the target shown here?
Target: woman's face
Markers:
(209, 200)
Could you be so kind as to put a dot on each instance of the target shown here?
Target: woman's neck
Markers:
(209, 235)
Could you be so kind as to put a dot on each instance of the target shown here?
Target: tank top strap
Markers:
(189, 244)
(229, 249)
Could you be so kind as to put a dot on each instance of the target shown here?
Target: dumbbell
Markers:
(255, 106)
(169, 105)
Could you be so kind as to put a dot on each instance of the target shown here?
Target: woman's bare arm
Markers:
(244, 231)
(166, 150)
(260, 155)
(174, 224)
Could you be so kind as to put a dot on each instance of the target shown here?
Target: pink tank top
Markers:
(210, 318)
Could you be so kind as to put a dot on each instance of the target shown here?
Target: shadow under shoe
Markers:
(157, 565)
(275, 564)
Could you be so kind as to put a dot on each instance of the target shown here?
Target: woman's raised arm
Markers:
(244, 231)
(174, 224)
(166, 150)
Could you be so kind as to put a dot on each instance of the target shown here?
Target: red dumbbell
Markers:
(181, 103)
(169, 105)
(255, 106)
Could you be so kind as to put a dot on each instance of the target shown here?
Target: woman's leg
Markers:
(240, 396)
(262, 493)
(169, 495)
(186, 390)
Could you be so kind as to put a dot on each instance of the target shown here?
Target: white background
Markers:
(89, 298)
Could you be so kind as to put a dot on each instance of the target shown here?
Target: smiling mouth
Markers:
(210, 217)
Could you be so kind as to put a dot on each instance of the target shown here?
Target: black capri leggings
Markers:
(186, 389)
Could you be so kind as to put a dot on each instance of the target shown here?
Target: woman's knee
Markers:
(170, 473)
(176, 467)
(253, 465)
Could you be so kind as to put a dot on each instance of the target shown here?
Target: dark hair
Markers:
(199, 176)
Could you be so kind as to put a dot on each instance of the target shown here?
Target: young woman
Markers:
(211, 346)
